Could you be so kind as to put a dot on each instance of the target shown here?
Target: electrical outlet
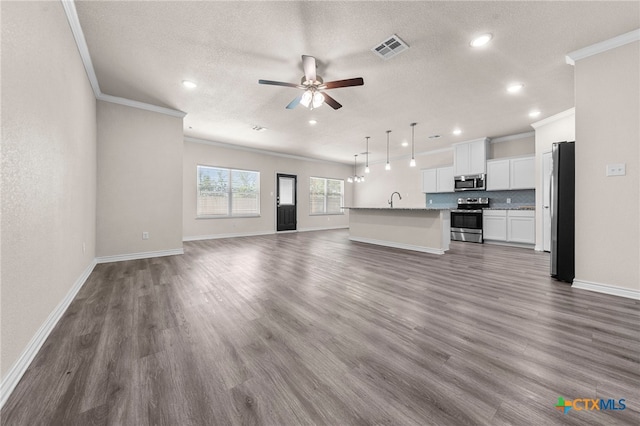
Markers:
(616, 169)
(508, 200)
(145, 235)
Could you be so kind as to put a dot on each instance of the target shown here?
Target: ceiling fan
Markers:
(313, 86)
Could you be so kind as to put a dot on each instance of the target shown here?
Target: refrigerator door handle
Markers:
(553, 195)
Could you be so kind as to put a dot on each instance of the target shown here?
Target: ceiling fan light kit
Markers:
(313, 85)
(312, 99)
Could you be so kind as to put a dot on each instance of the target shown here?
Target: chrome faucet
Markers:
(390, 202)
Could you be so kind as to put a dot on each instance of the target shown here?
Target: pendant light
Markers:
(366, 166)
(355, 177)
(388, 166)
(412, 163)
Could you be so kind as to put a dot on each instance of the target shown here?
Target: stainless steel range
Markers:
(466, 220)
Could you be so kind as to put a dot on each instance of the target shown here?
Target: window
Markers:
(227, 192)
(326, 196)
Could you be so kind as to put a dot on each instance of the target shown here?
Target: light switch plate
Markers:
(618, 169)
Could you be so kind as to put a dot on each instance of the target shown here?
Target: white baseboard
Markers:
(13, 376)
(254, 234)
(231, 235)
(323, 229)
(141, 255)
(607, 289)
(509, 244)
(398, 245)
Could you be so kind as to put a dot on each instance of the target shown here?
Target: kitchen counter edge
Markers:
(399, 208)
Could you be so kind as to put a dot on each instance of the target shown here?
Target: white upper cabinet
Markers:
(429, 181)
(445, 179)
(478, 157)
(498, 175)
(437, 180)
(470, 158)
(461, 161)
(523, 173)
(511, 173)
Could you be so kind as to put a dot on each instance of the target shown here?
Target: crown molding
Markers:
(602, 46)
(141, 105)
(260, 151)
(81, 43)
(513, 137)
(70, 11)
(556, 117)
(408, 156)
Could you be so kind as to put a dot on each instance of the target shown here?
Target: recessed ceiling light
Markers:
(435, 137)
(312, 122)
(515, 88)
(405, 143)
(534, 113)
(481, 40)
(189, 84)
(457, 131)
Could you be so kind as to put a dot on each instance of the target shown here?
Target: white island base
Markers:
(419, 229)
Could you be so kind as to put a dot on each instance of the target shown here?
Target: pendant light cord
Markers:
(367, 152)
(388, 131)
(413, 133)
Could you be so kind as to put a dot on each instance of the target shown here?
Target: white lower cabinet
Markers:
(494, 225)
(513, 226)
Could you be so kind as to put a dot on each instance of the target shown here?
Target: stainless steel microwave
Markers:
(470, 183)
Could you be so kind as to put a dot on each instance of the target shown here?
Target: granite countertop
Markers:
(398, 208)
(511, 208)
(530, 208)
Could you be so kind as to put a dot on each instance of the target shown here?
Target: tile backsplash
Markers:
(519, 198)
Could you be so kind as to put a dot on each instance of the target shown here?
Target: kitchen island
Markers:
(420, 229)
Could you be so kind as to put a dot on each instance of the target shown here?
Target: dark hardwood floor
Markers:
(311, 328)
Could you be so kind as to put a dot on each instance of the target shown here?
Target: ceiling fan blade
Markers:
(294, 103)
(331, 102)
(343, 83)
(309, 66)
(279, 83)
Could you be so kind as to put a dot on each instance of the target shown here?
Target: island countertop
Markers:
(400, 208)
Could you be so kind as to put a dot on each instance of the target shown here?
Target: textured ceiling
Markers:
(143, 50)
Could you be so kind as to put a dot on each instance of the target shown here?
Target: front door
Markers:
(286, 202)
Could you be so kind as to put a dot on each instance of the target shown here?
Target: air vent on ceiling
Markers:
(390, 47)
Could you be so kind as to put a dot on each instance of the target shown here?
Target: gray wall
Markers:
(608, 131)
(268, 165)
(48, 170)
(139, 181)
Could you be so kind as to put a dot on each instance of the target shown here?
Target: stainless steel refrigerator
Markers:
(563, 211)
